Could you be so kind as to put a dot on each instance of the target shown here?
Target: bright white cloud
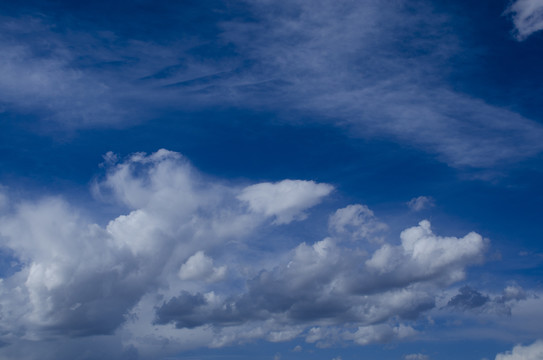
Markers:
(527, 17)
(422, 253)
(285, 200)
(200, 267)
(520, 352)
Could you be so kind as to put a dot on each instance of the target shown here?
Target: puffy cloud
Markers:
(358, 221)
(200, 267)
(420, 203)
(285, 200)
(80, 279)
(327, 284)
(520, 352)
(527, 17)
(422, 255)
(72, 282)
(150, 277)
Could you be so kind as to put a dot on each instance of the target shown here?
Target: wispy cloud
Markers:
(379, 72)
(420, 203)
(527, 16)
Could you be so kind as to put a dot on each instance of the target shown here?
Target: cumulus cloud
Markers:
(158, 271)
(520, 352)
(81, 279)
(285, 200)
(357, 221)
(422, 254)
(420, 203)
(327, 284)
(527, 17)
(200, 267)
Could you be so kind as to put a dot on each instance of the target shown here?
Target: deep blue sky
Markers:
(302, 138)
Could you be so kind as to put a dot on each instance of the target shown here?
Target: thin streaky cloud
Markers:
(527, 17)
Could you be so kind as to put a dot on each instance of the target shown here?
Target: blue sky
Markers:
(271, 180)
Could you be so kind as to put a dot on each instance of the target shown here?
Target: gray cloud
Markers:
(327, 284)
(468, 298)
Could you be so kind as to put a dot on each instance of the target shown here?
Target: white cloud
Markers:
(285, 200)
(420, 203)
(520, 352)
(80, 279)
(422, 253)
(151, 274)
(358, 221)
(340, 62)
(337, 62)
(200, 267)
(527, 17)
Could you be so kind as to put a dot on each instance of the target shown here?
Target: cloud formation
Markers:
(527, 16)
(529, 352)
(420, 203)
(171, 266)
(285, 200)
(357, 222)
(379, 72)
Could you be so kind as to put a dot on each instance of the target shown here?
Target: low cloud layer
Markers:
(169, 266)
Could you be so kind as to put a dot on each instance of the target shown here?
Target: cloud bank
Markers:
(173, 267)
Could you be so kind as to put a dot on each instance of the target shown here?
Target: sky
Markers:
(257, 179)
